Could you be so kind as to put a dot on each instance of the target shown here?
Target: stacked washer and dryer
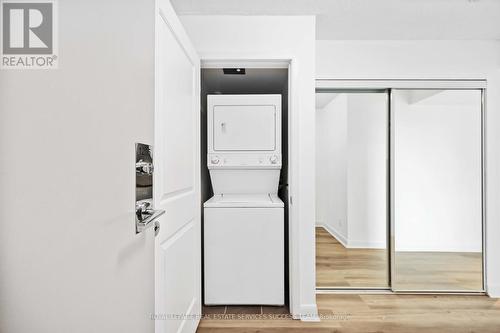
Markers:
(244, 220)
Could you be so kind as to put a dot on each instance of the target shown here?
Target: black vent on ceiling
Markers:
(234, 71)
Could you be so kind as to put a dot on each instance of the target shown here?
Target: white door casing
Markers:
(177, 172)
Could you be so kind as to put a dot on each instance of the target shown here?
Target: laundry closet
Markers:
(244, 186)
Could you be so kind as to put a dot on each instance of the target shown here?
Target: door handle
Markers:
(141, 208)
(145, 217)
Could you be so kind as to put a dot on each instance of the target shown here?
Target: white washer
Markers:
(244, 250)
(244, 220)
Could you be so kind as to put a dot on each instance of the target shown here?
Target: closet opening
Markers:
(400, 187)
(257, 84)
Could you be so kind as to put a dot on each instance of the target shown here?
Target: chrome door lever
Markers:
(147, 219)
(144, 215)
(141, 208)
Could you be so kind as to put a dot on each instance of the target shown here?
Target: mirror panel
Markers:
(437, 190)
(352, 153)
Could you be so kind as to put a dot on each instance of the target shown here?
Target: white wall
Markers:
(367, 170)
(265, 37)
(437, 168)
(70, 260)
(424, 60)
(351, 182)
(331, 167)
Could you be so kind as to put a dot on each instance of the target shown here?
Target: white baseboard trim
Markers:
(338, 236)
(353, 244)
(493, 290)
(308, 312)
(350, 244)
(436, 249)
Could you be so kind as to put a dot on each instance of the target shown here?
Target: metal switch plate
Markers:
(145, 213)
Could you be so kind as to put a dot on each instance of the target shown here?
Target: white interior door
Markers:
(177, 189)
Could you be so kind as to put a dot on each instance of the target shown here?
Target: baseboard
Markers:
(350, 244)
(353, 244)
(493, 290)
(333, 232)
(308, 312)
(434, 249)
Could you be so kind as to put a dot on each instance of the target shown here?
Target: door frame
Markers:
(326, 84)
(294, 232)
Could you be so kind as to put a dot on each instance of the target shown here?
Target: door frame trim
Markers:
(328, 84)
(376, 84)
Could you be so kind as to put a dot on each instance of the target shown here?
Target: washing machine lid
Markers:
(244, 200)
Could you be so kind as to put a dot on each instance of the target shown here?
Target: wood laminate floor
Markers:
(458, 271)
(375, 314)
(365, 313)
(338, 266)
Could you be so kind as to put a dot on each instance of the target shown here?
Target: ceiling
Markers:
(370, 19)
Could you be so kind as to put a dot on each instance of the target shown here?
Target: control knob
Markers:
(214, 160)
(273, 159)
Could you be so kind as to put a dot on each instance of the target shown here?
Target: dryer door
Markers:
(244, 127)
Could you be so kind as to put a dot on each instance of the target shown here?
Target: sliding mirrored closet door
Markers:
(352, 190)
(436, 185)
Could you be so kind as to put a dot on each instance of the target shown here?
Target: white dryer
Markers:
(244, 220)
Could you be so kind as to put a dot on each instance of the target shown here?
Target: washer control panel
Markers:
(243, 160)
